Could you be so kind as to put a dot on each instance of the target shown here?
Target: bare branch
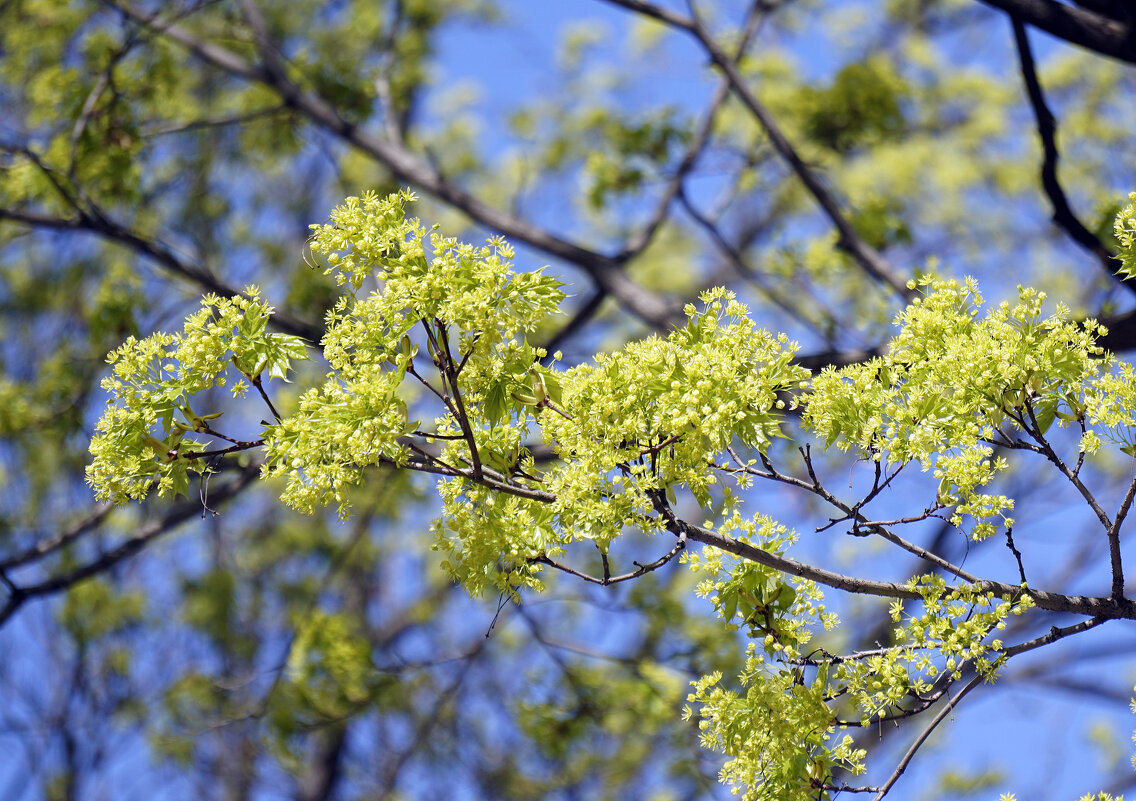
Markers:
(1063, 214)
(1113, 534)
(608, 579)
(1017, 554)
(848, 788)
(869, 259)
(450, 376)
(735, 259)
(213, 122)
(47, 546)
(1077, 26)
(89, 218)
(756, 16)
(1053, 635)
(405, 166)
(852, 513)
(922, 738)
(922, 553)
(174, 516)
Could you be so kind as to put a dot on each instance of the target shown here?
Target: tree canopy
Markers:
(607, 399)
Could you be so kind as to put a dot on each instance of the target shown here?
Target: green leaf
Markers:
(495, 407)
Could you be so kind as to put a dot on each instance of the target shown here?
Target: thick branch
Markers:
(1077, 26)
(1094, 607)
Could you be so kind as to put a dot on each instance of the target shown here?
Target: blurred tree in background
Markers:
(813, 157)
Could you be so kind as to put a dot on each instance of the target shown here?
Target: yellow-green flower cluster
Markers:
(154, 380)
(1110, 404)
(337, 430)
(653, 415)
(422, 276)
(490, 539)
(1124, 227)
(952, 380)
(777, 730)
(951, 632)
(464, 302)
(780, 611)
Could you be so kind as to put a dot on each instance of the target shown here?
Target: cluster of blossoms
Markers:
(425, 319)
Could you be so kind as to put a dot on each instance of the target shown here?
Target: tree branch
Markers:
(91, 219)
(45, 547)
(1093, 606)
(922, 738)
(1063, 214)
(756, 16)
(405, 166)
(734, 258)
(1077, 26)
(869, 259)
(1097, 607)
(608, 579)
(1113, 534)
(178, 513)
(1034, 430)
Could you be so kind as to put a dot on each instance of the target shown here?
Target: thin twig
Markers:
(213, 122)
(175, 515)
(47, 546)
(754, 19)
(1017, 554)
(450, 376)
(867, 257)
(608, 579)
(1033, 428)
(922, 738)
(256, 382)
